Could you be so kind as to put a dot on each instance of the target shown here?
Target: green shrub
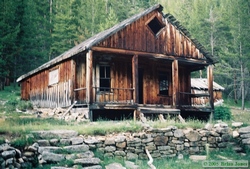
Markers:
(222, 113)
(21, 142)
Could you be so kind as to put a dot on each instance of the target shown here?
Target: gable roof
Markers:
(92, 41)
(202, 84)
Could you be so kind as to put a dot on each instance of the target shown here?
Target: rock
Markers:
(120, 153)
(54, 142)
(132, 156)
(65, 142)
(180, 157)
(178, 133)
(245, 135)
(147, 140)
(109, 141)
(87, 154)
(208, 126)
(163, 148)
(91, 140)
(87, 161)
(8, 154)
(77, 148)
(244, 130)
(121, 144)
(48, 149)
(237, 124)
(179, 147)
(114, 166)
(161, 140)
(198, 157)
(4, 147)
(110, 148)
(52, 157)
(131, 165)
(76, 140)
(193, 136)
(56, 134)
(43, 143)
(246, 141)
(236, 134)
(120, 139)
(28, 154)
(93, 167)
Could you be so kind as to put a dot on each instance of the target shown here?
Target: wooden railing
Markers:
(113, 95)
(194, 98)
(105, 95)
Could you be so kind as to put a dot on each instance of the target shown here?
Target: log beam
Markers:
(210, 80)
(89, 74)
(175, 79)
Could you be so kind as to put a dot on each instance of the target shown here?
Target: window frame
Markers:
(164, 76)
(106, 77)
(53, 76)
(161, 24)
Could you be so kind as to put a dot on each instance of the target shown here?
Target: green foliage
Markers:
(22, 141)
(222, 113)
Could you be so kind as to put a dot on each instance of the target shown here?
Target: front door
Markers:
(140, 85)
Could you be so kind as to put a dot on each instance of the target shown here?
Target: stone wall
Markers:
(60, 145)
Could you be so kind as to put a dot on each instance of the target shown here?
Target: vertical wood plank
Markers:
(89, 72)
(175, 77)
(210, 87)
(135, 78)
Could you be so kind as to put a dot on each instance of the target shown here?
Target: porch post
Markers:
(210, 88)
(135, 83)
(135, 78)
(175, 80)
(89, 72)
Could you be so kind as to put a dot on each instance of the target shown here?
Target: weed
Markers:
(222, 113)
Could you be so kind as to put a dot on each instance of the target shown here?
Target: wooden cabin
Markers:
(143, 64)
(200, 85)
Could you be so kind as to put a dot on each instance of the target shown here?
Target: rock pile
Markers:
(11, 157)
(244, 133)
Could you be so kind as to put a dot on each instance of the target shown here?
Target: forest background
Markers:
(33, 32)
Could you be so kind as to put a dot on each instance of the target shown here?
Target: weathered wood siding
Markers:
(184, 85)
(38, 91)
(138, 37)
(80, 80)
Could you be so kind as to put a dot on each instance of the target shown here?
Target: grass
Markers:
(15, 125)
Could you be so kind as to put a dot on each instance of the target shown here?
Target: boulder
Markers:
(114, 166)
(131, 165)
(132, 156)
(52, 157)
(87, 161)
(110, 148)
(161, 140)
(56, 134)
(77, 148)
(244, 130)
(76, 140)
(178, 133)
(198, 157)
(246, 141)
(193, 136)
(237, 124)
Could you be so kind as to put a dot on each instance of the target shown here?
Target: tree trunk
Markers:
(242, 87)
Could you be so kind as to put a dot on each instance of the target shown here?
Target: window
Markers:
(163, 83)
(104, 78)
(155, 25)
(53, 76)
